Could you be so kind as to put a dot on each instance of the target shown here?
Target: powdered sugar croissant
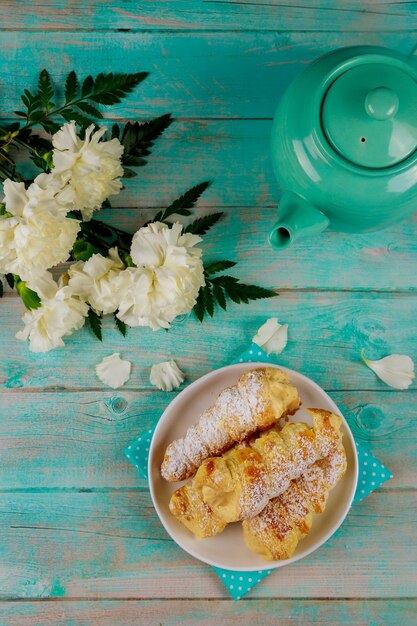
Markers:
(239, 484)
(275, 532)
(259, 399)
(261, 466)
(187, 505)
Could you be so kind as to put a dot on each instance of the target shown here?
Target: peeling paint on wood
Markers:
(102, 545)
(242, 15)
(78, 532)
(197, 75)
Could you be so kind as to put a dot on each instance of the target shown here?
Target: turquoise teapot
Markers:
(344, 144)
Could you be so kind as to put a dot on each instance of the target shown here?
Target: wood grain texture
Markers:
(242, 15)
(76, 440)
(377, 261)
(101, 544)
(78, 532)
(197, 75)
(207, 613)
(327, 331)
(201, 149)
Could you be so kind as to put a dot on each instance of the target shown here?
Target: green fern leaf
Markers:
(199, 308)
(25, 100)
(232, 293)
(87, 87)
(202, 225)
(72, 115)
(219, 296)
(225, 281)
(239, 292)
(121, 326)
(95, 324)
(183, 204)
(46, 91)
(254, 292)
(138, 139)
(10, 280)
(218, 266)
(90, 110)
(50, 126)
(31, 102)
(111, 88)
(128, 173)
(71, 87)
(208, 299)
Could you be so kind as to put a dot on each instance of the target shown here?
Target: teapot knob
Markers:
(381, 103)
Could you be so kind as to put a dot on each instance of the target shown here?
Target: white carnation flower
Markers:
(59, 315)
(97, 280)
(167, 278)
(36, 235)
(89, 169)
(44, 194)
(47, 194)
(7, 245)
(42, 241)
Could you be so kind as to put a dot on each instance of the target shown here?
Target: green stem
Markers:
(12, 174)
(14, 139)
(105, 236)
(114, 228)
(57, 111)
(23, 144)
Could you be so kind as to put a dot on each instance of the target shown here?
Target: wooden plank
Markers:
(207, 613)
(247, 191)
(197, 75)
(244, 15)
(377, 261)
(110, 545)
(76, 440)
(326, 334)
(196, 150)
(193, 151)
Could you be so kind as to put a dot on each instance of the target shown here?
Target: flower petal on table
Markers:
(272, 336)
(166, 376)
(395, 370)
(113, 371)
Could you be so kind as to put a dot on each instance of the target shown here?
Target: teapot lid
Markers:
(369, 115)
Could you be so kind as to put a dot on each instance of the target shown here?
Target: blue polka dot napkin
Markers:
(371, 475)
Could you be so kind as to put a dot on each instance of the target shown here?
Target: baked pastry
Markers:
(283, 521)
(259, 399)
(272, 534)
(239, 484)
(276, 531)
(318, 479)
(235, 485)
(188, 507)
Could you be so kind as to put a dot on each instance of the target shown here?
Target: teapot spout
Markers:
(298, 219)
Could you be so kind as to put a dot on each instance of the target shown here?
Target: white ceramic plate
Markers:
(228, 550)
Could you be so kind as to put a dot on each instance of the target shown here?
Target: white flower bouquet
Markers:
(145, 279)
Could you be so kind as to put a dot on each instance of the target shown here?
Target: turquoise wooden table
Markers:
(80, 542)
